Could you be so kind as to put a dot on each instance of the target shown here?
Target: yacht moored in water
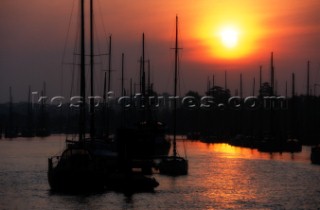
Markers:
(92, 163)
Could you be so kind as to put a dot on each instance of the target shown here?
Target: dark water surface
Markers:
(220, 177)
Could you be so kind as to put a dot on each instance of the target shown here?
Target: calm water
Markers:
(220, 177)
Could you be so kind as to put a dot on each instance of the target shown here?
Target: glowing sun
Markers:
(229, 37)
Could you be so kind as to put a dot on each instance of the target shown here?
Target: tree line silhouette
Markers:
(216, 117)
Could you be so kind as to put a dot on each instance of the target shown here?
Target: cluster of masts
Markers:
(271, 85)
(107, 73)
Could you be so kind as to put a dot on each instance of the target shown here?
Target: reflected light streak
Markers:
(228, 151)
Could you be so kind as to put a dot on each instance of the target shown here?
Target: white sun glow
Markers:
(229, 37)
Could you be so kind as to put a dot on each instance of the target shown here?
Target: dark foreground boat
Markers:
(93, 164)
(82, 166)
(90, 170)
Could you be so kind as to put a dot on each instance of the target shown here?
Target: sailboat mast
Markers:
(149, 84)
(104, 102)
(241, 94)
(92, 125)
(253, 86)
(260, 77)
(143, 81)
(109, 67)
(213, 81)
(143, 86)
(293, 86)
(29, 101)
(109, 89)
(10, 106)
(286, 91)
(272, 75)
(82, 75)
(175, 92)
(225, 80)
(122, 75)
(131, 93)
(30, 114)
(308, 78)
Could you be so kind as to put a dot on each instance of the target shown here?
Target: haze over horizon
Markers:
(216, 36)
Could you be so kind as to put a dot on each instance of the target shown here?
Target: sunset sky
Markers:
(216, 36)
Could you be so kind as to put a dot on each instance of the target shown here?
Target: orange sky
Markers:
(33, 33)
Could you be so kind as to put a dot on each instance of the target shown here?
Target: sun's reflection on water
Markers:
(220, 177)
(235, 177)
(229, 151)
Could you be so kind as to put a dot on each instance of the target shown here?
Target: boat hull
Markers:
(67, 180)
(77, 170)
(173, 166)
(131, 182)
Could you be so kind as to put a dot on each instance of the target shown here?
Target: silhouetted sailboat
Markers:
(86, 162)
(145, 139)
(174, 165)
(273, 140)
(91, 164)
